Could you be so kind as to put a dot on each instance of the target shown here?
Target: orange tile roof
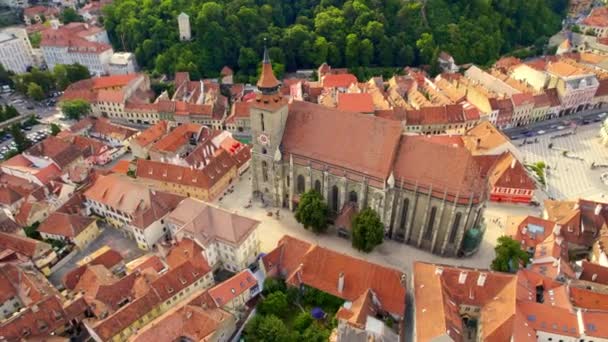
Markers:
(178, 137)
(309, 125)
(67, 225)
(508, 172)
(226, 291)
(484, 138)
(35, 321)
(191, 321)
(187, 250)
(588, 299)
(122, 167)
(598, 18)
(564, 69)
(355, 102)
(594, 272)
(23, 245)
(318, 267)
(530, 230)
(152, 134)
(204, 178)
(267, 78)
(207, 223)
(338, 80)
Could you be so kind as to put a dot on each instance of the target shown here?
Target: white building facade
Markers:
(15, 50)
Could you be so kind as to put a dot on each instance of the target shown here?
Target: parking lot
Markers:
(569, 161)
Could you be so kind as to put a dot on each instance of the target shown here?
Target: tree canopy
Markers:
(75, 109)
(312, 211)
(509, 255)
(22, 142)
(306, 33)
(368, 230)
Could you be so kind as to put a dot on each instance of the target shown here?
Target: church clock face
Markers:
(263, 139)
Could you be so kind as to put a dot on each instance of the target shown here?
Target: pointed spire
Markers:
(268, 83)
(266, 57)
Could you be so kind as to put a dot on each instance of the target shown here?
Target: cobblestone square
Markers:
(570, 177)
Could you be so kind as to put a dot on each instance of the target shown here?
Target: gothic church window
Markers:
(352, 197)
(428, 233)
(318, 186)
(455, 226)
(335, 192)
(300, 185)
(406, 204)
(265, 171)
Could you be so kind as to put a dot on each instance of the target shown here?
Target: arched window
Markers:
(406, 204)
(352, 197)
(265, 171)
(300, 184)
(455, 226)
(264, 150)
(287, 181)
(318, 186)
(428, 233)
(335, 192)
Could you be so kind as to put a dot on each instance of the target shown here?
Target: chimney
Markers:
(341, 282)
(481, 280)
(513, 163)
(598, 209)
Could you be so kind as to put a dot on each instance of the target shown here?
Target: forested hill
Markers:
(305, 33)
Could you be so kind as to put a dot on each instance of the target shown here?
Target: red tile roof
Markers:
(122, 167)
(60, 152)
(309, 125)
(508, 172)
(178, 137)
(597, 18)
(594, 272)
(152, 134)
(23, 245)
(37, 320)
(66, 225)
(522, 99)
(204, 178)
(318, 267)
(338, 80)
(187, 250)
(356, 102)
(226, 291)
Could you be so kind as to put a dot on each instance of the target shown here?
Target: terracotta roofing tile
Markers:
(152, 134)
(355, 102)
(588, 299)
(23, 245)
(36, 321)
(193, 322)
(602, 89)
(338, 80)
(37, 10)
(522, 99)
(267, 79)
(122, 167)
(227, 290)
(597, 18)
(309, 125)
(508, 172)
(65, 225)
(204, 178)
(226, 71)
(147, 261)
(60, 152)
(318, 267)
(187, 250)
(595, 322)
(594, 272)
(207, 223)
(178, 137)
(460, 174)
(530, 230)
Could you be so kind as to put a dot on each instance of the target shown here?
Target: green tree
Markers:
(302, 321)
(5, 76)
(275, 303)
(312, 211)
(32, 231)
(351, 52)
(75, 109)
(61, 76)
(77, 72)
(426, 45)
(262, 328)
(35, 39)
(55, 129)
(22, 142)
(35, 92)
(509, 255)
(69, 15)
(368, 230)
(273, 285)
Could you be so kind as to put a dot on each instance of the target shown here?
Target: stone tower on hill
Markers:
(183, 21)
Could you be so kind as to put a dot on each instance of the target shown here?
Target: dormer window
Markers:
(169, 289)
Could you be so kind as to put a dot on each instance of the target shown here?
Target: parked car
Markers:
(541, 132)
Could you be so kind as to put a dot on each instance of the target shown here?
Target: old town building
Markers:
(297, 146)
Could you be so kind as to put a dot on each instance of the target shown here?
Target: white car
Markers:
(561, 127)
(541, 132)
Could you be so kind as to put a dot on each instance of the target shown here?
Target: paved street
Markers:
(570, 178)
(553, 125)
(110, 237)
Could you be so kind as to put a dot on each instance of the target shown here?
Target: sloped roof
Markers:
(207, 223)
(318, 267)
(309, 126)
(66, 225)
(356, 102)
(226, 291)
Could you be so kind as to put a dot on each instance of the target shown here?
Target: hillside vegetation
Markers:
(305, 33)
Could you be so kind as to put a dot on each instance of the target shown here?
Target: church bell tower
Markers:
(268, 116)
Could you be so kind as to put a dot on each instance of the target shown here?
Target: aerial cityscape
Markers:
(306, 170)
